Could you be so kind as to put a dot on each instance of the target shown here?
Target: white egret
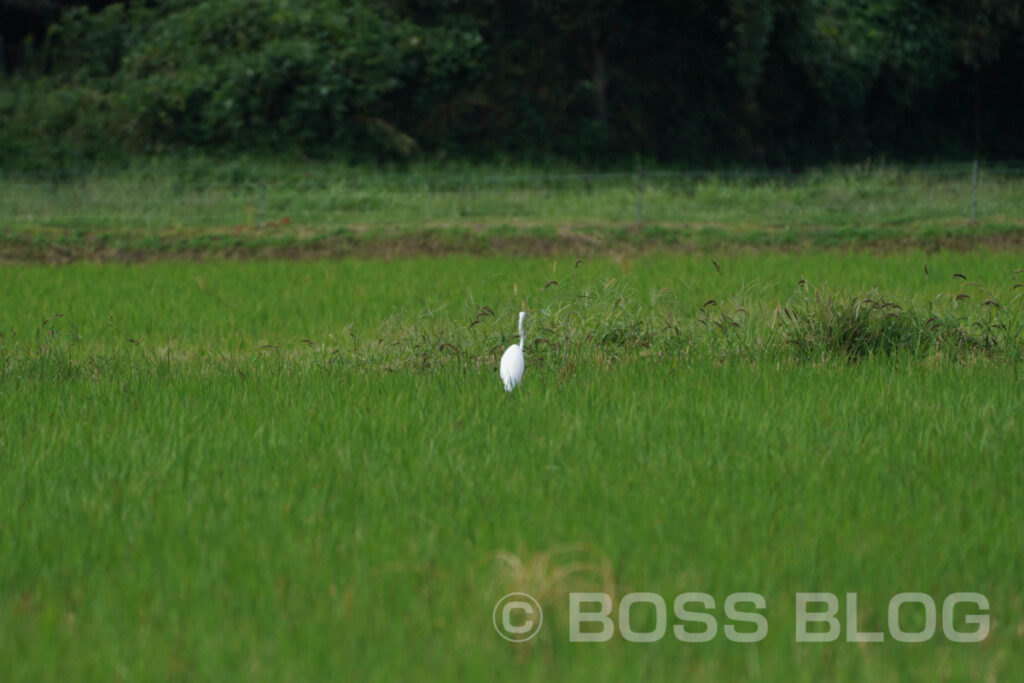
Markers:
(512, 362)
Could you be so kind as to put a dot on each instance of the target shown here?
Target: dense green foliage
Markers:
(780, 82)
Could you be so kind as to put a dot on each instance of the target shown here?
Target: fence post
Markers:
(639, 194)
(263, 205)
(974, 192)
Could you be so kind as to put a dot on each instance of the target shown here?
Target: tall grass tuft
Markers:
(858, 327)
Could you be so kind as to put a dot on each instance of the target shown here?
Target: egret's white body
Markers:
(512, 362)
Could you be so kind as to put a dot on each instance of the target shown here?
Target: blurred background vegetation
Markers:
(782, 83)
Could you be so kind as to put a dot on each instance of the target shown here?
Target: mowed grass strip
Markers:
(171, 208)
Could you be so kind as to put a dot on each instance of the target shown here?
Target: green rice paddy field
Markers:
(297, 470)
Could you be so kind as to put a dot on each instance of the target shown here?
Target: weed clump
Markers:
(859, 327)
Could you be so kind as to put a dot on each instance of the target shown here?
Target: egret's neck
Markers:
(520, 332)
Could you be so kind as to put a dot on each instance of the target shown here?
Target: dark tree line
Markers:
(777, 82)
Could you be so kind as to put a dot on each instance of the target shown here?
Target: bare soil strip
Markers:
(438, 242)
